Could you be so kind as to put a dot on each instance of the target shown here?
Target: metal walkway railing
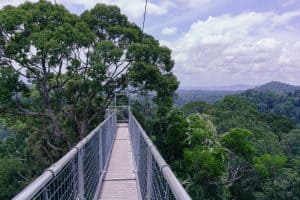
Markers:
(155, 178)
(79, 174)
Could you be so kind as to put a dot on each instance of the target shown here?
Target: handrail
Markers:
(177, 189)
(39, 183)
(80, 173)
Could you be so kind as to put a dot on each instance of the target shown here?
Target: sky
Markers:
(218, 42)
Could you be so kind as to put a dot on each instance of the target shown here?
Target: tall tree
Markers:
(63, 70)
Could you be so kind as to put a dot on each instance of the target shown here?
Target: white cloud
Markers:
(253, 46)
(239, 48)
(287, 3)
(169, 31)
(134, 9)
(13, 2)
(196, 3)
(286, 17)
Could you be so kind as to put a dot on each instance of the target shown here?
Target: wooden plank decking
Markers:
(120, 181)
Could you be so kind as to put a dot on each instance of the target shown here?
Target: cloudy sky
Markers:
(219, 42)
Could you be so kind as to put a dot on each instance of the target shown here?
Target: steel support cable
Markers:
(145, 13)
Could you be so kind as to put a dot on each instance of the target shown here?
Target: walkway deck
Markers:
(120, 181)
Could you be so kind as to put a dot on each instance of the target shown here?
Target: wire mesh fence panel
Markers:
(91, 167)
(142, 167)
(122, 115)
(107, 140)
(156, 181)
(134, 135)
(160, 187)
(77, 174)
(63, 186)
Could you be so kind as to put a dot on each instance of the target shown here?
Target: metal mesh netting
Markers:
(92, 164)
(63, 186)
(77, 175)
(160, 187)
(154, 185)
(91, 167)
(142, 167)
(95, 153)
(107, 140)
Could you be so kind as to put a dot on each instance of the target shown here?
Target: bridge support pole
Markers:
(101, 157)
(45, 194)
(81, 174)
(149, 174)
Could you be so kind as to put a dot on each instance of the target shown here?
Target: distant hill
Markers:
(280, 103)
(208, 96)
(212, 94)
(277, 98)
(276, 86)
(239, 87)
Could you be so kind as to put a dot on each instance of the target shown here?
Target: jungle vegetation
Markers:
(60, 71)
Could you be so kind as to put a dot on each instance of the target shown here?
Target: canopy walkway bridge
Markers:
(117, 160)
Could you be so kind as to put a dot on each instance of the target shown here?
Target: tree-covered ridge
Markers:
(274, 97)
(283, 104)
(276, 86)
(58, 74)
(213, 95)
(60, 71)
(231, 150)
(210, 96)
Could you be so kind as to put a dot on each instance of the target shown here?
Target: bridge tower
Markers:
(121, 104)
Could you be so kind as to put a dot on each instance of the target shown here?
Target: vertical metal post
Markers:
(129, 101)
(149, 173)
(45, 194)
(75, 176)
(101, 160)
(111, 128)
(130, 124)
(115, 124)
(167, 192)
(138, 146)
(81, 174)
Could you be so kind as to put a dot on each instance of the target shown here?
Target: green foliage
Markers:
(236, 140)
(9, 85)
(201, 130)
(232, 112)
(196, 107)
(171, 130)
(291, 143)
(11, 170)
(77, 63)
(236, 112)
(233, 151)
(184, 97)
(279, 125)
(66, 71)
(205, 161)
(73, 65)
(279, 182)
(205, 165)
(283, 104)
(268, 165)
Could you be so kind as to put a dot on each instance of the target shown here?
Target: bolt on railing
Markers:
(156, 181)
(80, 173)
